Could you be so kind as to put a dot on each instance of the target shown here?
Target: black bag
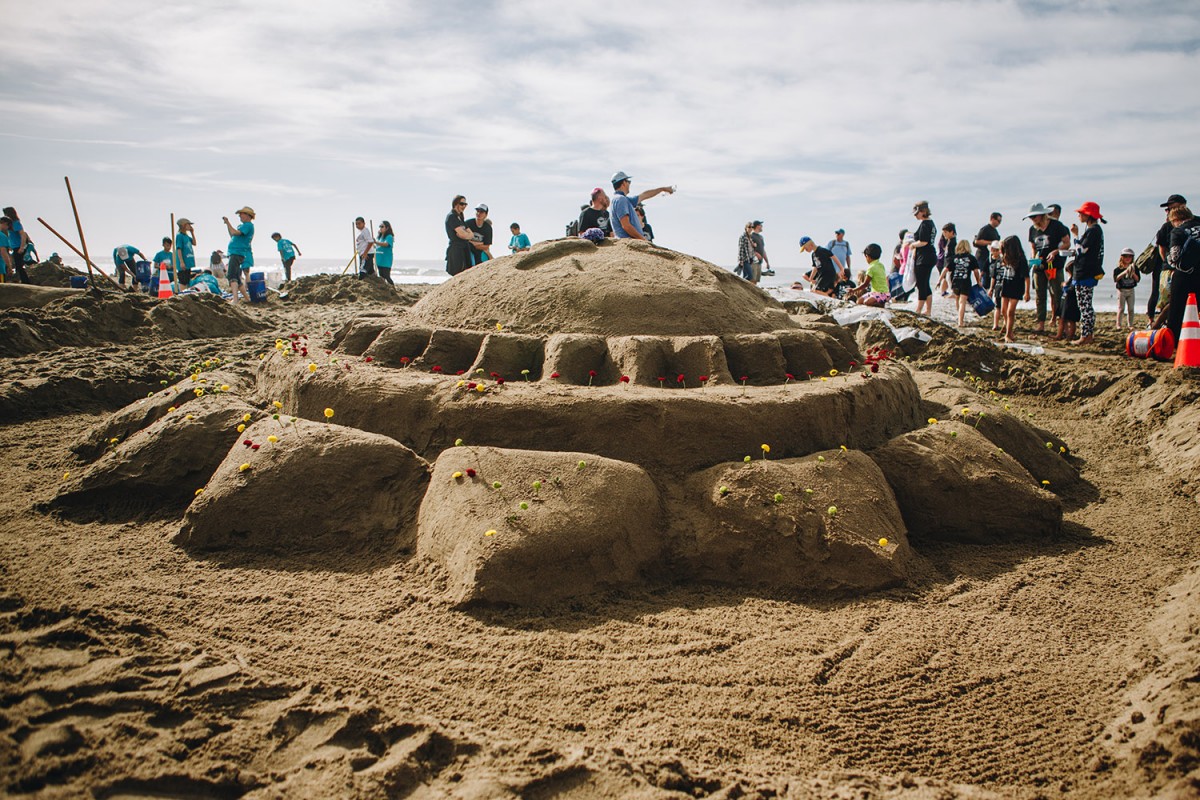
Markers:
(1149, 261)
(573, 228)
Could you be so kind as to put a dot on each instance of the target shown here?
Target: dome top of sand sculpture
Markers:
(617, 288)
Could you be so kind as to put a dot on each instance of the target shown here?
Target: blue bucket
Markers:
(79, 281)
(895, 284)
(257, 287)
(980, 301)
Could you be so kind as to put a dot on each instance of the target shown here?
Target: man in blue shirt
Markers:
(287, 254)
(625, 222)
(841, 252)
(240, 252)
(185, 250)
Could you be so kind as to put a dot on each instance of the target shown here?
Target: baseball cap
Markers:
(184, 221)
(482, 207)
(756, 223)
(1128, 251)
(620, 177)
(805, 240)
(839, 230)
(1175, 198)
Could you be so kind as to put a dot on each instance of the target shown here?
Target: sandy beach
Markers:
(1004, 662)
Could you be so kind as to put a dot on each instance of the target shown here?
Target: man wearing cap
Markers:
(624, 218)
(481, 235)
(287, 254)
(824, 275)
(240, 251)
(123, 257)
(1047, 236)
(840, 249)
(983, 241)
(185, 250)
(763, 264)
(1163, 240)
(596, 214)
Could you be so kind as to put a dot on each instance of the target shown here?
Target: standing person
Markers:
(241, 252)
(745, 265)
(947, 244)
(924, 256)
(383, 250)
(458, 251)
(481, 235)
(1047, 236)
(625, 221)
(363, 247)
(983, 240)
(6, 264)
(20, 247)
(995, 268)
(1089, 267)
(519, 242)
(1126, 277)
(897, 252)
(1014, 282)
(1183, 257)
(840, 249)
(960, 268)
(596, 215)
(1163, 240)
(760, 249)
(824, 275)
(287, 254)
(185, 250)
(163, 258)
(123, 257)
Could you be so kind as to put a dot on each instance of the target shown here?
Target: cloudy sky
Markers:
(807, 115)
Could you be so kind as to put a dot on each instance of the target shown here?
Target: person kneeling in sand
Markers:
(872, 289)
(205, 282)
(824, 275)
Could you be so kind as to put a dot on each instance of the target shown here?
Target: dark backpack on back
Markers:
(1149, 261)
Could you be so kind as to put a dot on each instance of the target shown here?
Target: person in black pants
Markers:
(925, 257)
(1183, 257)
(1163, 240)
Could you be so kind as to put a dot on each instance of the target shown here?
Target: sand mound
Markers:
(21, 295)
(88, 318)
(322, 289)
(953, 484)
(593, 523)
(808, 524)
(315, 487)
(47, 273)
(160, 467)
(618, 288)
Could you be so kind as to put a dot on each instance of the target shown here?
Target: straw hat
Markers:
(247, 210)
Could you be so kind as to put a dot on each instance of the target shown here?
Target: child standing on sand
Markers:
(995, 272)
(1015, 282)
(963, 272)
(1126, 277)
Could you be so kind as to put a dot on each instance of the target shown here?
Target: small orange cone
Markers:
(164, 283)
(1187, 349)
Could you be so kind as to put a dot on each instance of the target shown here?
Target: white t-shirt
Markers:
(360, 241)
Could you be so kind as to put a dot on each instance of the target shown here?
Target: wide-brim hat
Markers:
(1036, 210)
(1128, 251)
(247, 210)
(1092, 209)
(620, 177)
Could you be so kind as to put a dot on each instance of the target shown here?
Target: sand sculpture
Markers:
(582, 417)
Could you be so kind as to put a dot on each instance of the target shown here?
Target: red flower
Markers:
(470, 472)
(499, 381)
(404, 359)
(624, 379)
(874, 368)
(254, 446)
(368, 359)
(247, 443)
(459, 371)
(809, 373)
(472, 385)
(661, 378)
(494, 374)
(680, 379)
(328, 352)
(853, 363)
(704, 379)
(790, 376)
(553, 374)
(303, 351)
(294, 335)
(591, 373)
(745, 378)
(437, 369)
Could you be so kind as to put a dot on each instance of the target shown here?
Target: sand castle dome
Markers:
(616, 288)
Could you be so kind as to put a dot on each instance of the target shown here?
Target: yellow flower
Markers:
(241, 427)
(200, 491)
(490, 533)
(499, 327)
(965, 411)
(456, 475)
(832, 510)
(245, 417)
(766, 448)
(312, 367)
(243, 467)
(277, 404)
(481, 388)
(833, 373)
(932, 420)
(824, 378)
(189, 416)
(1045, 483)
(169, 410)
(883, 542)
(843, 447)
(461, 384)
(272, 438)
(329, 413)
(113, 440)
(66, 475)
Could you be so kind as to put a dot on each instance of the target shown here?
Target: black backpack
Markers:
(1149, 261)
(573, 228)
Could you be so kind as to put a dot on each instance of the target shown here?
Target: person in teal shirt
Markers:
(383, 250)
(205, 282)
(287, 254)
(519, 241)
(163, 258)
(241, 253)
(123, 257)
(185, 250)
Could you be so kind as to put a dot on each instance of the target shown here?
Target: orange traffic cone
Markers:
(1187, 349)
(164, 283)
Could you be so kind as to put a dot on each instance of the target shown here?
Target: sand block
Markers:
(121, 424)
(642, 358)
(695, 356)
(873, 333)
(733, 530)
(161, 465)
(396, 342)
(803, 352)
(953, 484)
(22, 295)
(318, 487)
(451, 350)
(586, 529)
(573, 355)
(758, 357)
(508, 353)
(358, 334)
(944, 396)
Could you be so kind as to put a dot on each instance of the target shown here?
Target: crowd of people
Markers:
(1057, 264)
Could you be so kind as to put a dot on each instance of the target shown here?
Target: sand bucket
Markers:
(1158, 344)
(78, 281)
(980, 301)
(258, 287)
